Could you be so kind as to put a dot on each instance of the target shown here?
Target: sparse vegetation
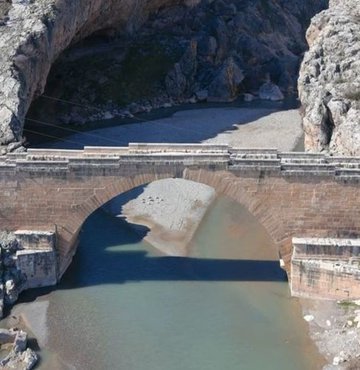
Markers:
(347, 304)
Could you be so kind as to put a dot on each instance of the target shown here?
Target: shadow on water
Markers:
(117, 255)
(117, 263)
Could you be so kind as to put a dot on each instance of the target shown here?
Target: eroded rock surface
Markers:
(11, 279)
(225, 47)
(19, 357)
(329, 82)
(37, 32)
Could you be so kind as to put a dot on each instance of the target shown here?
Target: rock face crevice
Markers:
(230, 44)
(37, 32)
(329, 81)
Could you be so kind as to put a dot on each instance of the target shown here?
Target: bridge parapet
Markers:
(268, 161)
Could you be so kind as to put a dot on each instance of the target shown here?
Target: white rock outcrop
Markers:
(329, 82)
(34, 35)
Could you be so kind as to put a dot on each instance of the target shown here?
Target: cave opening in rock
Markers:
(183, 52)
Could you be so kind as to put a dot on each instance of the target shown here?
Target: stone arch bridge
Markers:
(52, 192)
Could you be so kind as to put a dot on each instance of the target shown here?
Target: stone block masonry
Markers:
(325, 268)
(37, 260)
(290, 194)
(28, 260)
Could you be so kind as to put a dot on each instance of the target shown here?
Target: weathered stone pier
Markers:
(52, 192)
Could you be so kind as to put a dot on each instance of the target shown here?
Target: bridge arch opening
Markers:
(123, 275)
(237, 247)
(104, 198)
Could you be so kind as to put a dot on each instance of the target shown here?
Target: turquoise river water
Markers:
(122, 305)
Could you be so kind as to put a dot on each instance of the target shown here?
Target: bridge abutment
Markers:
(36, 259)
(325, 268)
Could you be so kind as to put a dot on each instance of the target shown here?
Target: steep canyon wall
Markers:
(329, 82)
(230, 47)
(36, 32)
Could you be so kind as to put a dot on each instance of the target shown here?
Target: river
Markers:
(124, 305)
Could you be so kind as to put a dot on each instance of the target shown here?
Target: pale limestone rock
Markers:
(270, 91)
(38, 31)
(20, 357)
(329, 82)
(259, 37)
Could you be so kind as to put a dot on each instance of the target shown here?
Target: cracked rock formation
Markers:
(36, 32)
(11, 279)
(329, 82)
(19, 357)
(243, 39)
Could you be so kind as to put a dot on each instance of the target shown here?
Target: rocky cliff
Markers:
(329, 82)
(224, 47)
(33, 35)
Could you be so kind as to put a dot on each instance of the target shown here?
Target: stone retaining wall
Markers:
(325, 268)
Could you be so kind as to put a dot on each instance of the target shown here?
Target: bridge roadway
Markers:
(291, 194)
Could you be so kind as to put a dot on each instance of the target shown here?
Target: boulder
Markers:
(202, 95)
(20, 341)
(7, 336)
(270, 91)
(248, 97)
(20, 357)
(25, 360)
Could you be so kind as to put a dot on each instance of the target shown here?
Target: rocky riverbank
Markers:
(19, 356)
(335, 328)
(254, 126)
(202, 50)
(12, 281)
